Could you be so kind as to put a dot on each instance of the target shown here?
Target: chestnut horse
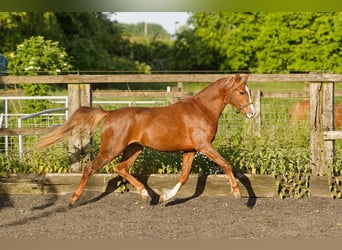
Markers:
(188, 125)
(300, 112)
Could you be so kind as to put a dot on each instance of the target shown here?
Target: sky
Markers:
(169, 20)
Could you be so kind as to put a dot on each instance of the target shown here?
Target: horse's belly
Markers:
(166, 141)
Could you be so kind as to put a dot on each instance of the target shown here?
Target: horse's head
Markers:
(240, 96)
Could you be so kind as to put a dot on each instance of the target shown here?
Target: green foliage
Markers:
(144, 30)
(157, 162)
(231, 35)
(50, 161)
(155, 53)
(33, 56)
(273, 42)
(191, 52)
(227, 41)
(96, 43)
(37, 55)
(10, 30)
(335, 187)
(335, 183)
(92, 41)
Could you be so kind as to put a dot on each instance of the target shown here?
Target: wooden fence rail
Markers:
(321, 102)
(164, 78)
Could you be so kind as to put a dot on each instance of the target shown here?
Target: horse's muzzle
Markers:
(250, 115)
(251, 112)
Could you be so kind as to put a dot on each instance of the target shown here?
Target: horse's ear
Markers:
(237, 77)
(244, 79)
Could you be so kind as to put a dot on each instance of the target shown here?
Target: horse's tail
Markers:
(83, 121)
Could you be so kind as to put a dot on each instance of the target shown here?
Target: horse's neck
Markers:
(212, 100)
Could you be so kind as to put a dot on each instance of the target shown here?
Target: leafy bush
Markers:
(33, 57)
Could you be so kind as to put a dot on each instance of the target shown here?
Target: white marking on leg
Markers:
(168, 194)
(144, 194)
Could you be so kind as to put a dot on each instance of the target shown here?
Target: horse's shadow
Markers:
(201, 181)
(114, 184)
(252, 198)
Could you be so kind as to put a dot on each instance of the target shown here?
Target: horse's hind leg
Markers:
(130, 154)
(188, 158)
(211, 152)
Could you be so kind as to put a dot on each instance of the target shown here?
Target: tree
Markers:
(94, 42)
(145, 30)
(10, 30)
(155, 53)
(273, 42)
(231, 35)
(299, 42)
(38, 56)
(150, 44)
(320, 45)
(17, 26)
(190, 52)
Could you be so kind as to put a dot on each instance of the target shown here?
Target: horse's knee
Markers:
(121, 169)
(93, 166)
(88, 171)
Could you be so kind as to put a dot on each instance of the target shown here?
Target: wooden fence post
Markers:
(321, 120)
(78, 95)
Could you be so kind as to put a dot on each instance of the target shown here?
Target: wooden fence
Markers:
(321, 103)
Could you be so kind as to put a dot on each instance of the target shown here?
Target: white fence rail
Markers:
(10, 120)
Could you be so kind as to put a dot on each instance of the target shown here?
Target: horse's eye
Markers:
(242, 93)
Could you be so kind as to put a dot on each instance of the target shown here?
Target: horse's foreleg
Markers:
(211, 152)
(79, 191)
(167, 194)
(88, 171)
(129, 156)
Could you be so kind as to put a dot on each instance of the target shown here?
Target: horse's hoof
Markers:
(162, 198)
(166, 195)
(237, 194)
(73, 200)
(146, 198)
(144, 195)
(72, 203)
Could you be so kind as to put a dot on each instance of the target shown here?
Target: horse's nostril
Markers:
(251, 115)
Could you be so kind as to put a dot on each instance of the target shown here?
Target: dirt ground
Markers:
(125, 216)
